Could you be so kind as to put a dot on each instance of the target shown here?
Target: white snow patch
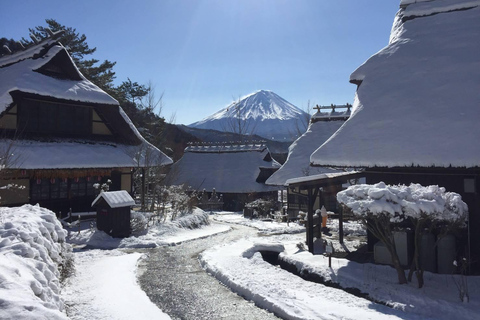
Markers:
(32, 246)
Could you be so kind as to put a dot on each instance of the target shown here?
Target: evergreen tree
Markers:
(76, 44)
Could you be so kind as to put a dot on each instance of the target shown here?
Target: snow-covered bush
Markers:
(380, 207)
(262, 206)
(193, 221)
(33, 257)
(139, 221)
(180, 201)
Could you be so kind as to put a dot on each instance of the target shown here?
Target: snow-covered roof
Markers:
(417, 102)
(115, 199)
(333, 113)
(19, 72)
(321, 176)
(79, 154)
(298, 160)
(226, 172)
(225, 147)
(24, 71)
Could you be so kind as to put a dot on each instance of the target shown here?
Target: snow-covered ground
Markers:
(294, 298)
(105, 286)
(100, 291)
(163, 234)
(263, 226)
(33, 244)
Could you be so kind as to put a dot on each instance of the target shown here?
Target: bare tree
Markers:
(150, 101)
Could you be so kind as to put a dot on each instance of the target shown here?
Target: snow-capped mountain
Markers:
(263, 113)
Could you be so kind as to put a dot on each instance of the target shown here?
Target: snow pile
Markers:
(32, 249)
(438, 299)
(265, 227)
(400, 201)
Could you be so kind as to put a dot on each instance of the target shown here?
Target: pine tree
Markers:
(76, 44)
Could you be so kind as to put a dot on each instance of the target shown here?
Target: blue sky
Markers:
(205, 53)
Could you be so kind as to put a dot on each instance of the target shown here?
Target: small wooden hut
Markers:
(113, 212)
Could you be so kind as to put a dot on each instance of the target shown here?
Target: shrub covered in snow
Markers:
(193, 221)
(178, 199)
(33, 254)
(262, 206)
(380, 207)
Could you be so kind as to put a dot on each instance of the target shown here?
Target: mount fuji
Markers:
(263, 113)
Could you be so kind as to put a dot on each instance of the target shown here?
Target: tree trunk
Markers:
(415, 266)
(402, 279)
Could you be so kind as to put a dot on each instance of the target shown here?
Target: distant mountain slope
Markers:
(263, 113)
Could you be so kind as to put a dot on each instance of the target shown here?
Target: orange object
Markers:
(324, 222)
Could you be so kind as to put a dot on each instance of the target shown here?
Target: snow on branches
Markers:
(400, 202)
(381, 208)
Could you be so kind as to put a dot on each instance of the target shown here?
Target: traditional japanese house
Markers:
(323, 124)
(237, 171)
(417, 106)
(61, 134)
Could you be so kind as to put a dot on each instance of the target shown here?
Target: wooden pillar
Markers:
(340, 225)
(311, 202)
(142, 195)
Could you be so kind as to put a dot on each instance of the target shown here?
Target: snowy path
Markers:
(105, 282)
(105, 287)
(174, 280)
(283, 293)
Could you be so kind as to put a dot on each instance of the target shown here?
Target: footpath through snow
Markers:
(294, 298)
(105, 286)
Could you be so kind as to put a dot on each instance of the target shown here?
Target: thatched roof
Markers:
(418, 101)
(227, 168)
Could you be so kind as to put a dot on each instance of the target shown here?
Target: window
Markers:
(58, 188)
(50, 117)
(78, 187)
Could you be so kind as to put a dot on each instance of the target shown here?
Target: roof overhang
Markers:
(324, 179)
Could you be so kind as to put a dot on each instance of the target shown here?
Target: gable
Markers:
(61, 67)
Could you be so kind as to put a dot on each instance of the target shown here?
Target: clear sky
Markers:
(205, 53)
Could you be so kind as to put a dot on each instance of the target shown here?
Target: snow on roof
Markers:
(146, 149)
(229, 147)
(115, 199)
(425, 8)
(298, 160)
(71, 154)
(227, 172)
(17, 73)
(321, 176)
(418, 101)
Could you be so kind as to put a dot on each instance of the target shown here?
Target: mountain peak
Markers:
(257, 109)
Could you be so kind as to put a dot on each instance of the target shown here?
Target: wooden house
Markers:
(417, 107)
(61, 134)
(237, 171)
(323, 124)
